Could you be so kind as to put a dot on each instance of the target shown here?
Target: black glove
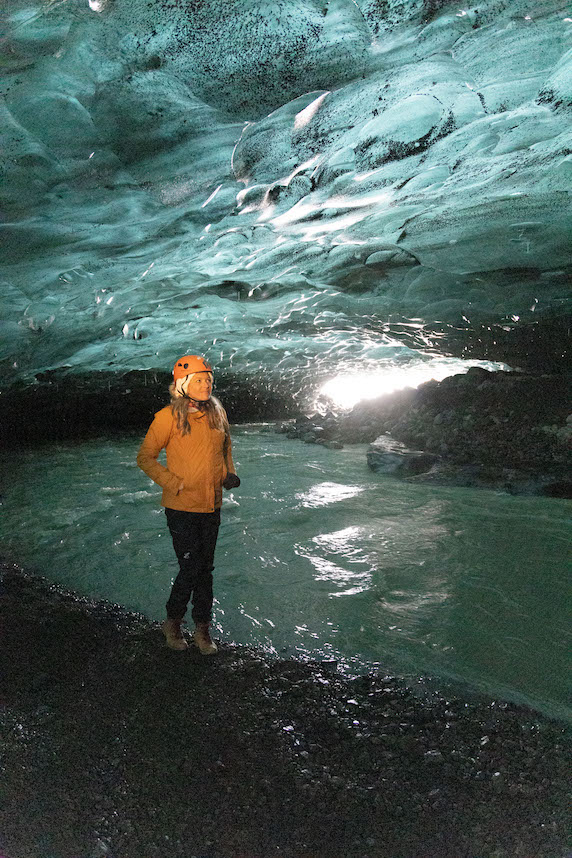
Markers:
(231, 481)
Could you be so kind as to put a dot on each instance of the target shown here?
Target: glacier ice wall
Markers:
(283, 186)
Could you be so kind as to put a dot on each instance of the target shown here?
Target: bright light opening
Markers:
(347, 389)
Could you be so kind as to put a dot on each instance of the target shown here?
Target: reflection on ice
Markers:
(327, 493)
(346, 546)
(328, 571)
(341, 541)
(406, 604)
(304, 631)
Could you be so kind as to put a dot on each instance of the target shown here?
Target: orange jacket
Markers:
(200, 460)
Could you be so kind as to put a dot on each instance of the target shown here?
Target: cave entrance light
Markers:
(348, 388)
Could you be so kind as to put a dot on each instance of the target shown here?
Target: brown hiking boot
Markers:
(174, 634)
(202, 639)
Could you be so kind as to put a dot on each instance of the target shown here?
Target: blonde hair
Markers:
(216, 415)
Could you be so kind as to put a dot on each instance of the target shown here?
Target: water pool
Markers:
(319, 557)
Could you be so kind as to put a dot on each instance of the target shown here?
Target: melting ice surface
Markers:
(320, 558)
(279, 185)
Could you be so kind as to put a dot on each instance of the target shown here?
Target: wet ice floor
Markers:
(318, 557)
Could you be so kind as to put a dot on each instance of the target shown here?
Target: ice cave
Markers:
(360, 213)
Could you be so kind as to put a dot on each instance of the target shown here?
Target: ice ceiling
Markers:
(287, 187)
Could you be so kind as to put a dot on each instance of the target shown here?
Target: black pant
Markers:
(194, 540)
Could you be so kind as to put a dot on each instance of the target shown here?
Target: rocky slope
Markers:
(496, 429)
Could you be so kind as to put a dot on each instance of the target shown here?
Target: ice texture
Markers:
(279, 185)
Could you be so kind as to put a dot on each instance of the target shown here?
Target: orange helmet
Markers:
(188, 364)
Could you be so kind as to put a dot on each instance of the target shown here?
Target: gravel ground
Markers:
(115, 746)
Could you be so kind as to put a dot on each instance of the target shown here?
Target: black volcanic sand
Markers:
(116, 746)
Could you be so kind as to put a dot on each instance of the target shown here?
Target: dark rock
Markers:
(387, 456)
(76, 405)
(558, 489)
(504, 430)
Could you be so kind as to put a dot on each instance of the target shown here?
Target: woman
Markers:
(194, 431)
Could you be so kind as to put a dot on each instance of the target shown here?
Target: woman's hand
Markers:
(231, 481)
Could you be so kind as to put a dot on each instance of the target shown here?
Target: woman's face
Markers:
(199, 387)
